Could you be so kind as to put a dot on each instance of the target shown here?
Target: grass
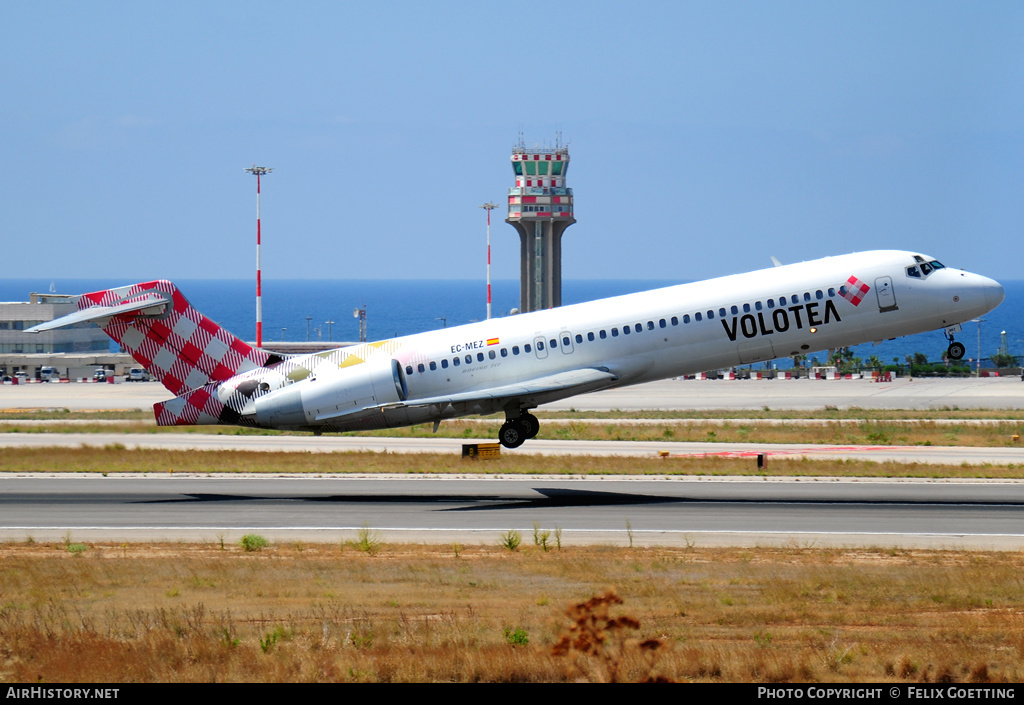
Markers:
(901, 433)
(113, 460)
(253, 542)
(196, 613)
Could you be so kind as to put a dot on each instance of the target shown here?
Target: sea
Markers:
(323, 310)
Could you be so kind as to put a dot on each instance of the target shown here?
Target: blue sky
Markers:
(705, 137)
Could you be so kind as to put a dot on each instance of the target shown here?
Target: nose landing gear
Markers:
(956, 350)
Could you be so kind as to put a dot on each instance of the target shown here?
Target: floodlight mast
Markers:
(488, 207)
(258, 171)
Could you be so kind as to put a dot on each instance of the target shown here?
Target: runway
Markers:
(443, 510)
(647, 511)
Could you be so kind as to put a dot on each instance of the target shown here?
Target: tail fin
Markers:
(176, 343)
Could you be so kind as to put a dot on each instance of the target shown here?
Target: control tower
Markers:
(540, 209)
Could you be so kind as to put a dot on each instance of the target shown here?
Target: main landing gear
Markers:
(956, 350)
(516, 431)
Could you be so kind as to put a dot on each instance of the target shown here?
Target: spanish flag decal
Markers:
(492, 341)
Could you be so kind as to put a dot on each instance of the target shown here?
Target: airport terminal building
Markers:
(75, 351)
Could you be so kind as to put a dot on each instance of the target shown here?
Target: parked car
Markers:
(100, 375)
(48, 374)
(137, 374)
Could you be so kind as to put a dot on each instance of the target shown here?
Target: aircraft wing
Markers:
(541, 389)
(143, 303)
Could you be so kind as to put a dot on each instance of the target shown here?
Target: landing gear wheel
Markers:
(512, 434)
(531, 426)
(956, 351)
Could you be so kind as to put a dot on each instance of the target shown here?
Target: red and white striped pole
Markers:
(488, 207)
(258, 171)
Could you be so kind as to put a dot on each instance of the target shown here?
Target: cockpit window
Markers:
(923, 269)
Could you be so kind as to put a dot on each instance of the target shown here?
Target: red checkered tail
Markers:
(179, 346)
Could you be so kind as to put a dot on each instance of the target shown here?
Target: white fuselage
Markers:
(740, 319)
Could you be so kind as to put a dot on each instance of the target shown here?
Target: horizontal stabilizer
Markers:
(151, 303)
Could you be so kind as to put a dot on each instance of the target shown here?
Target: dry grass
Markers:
(900, 432)
(124, 613)
(117, 459)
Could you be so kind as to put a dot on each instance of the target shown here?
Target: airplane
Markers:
(520, 362)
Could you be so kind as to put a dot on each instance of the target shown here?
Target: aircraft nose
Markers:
(994, 293)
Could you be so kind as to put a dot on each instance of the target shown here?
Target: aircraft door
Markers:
(886, 294)
(566, 338)
(541, 347)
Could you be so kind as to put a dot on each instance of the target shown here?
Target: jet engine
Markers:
(333, 393)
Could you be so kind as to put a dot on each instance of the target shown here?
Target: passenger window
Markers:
(504, 352)
(615, 332)
(831, 292)
(553, 343)
(420, 367)
(579, 338)
(662, 324)
(721, 313)
(696, 316)
(771, 303)
(479, 357)
(590, 337)
(819, 295)
(566, 342)
(603, 335)
(675, 321)
(527, 348)
(638, 328)
(626, 330)
(540, 345)
(650, 325)
(735, 310)
(433, 366)
(444, 364)
(469, 359)
(807, 296)
(408, 369)
(455, 362)
(746, 308)
(711, 314)
(686, 318)
(491, 354)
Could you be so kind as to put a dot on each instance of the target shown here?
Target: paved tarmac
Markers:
(918, 393)
(835, 519)
(805, 512)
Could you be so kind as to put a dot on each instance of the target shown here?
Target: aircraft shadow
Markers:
(558, 498)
